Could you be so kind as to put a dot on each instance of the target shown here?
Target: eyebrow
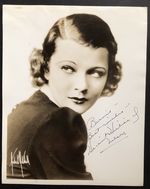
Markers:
(97, 67)
(67, 61)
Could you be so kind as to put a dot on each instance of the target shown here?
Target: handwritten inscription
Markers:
(18, 158)
(110, 128)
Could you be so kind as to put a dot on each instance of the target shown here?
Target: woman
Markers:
(47, 136)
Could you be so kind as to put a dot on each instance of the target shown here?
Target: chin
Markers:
(79, 110)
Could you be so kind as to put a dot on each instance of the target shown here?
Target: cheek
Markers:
(59, 82)
(97, 86)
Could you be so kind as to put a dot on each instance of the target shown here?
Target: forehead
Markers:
(68, 49)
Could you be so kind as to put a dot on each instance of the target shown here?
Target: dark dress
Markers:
(45, 141)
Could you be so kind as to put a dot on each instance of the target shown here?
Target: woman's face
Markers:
(77, 74)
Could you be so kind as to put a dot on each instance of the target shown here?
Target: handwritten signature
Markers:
(111, 128)
(18, 158)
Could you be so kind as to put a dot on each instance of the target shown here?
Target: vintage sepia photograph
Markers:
(74, 80)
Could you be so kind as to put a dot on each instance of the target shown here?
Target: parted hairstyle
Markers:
(86, 29)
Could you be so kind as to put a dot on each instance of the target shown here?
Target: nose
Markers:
(81, 84)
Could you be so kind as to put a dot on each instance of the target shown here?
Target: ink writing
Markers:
(18, 158)
(110, 128)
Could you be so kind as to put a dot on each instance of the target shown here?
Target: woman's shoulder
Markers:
(39, 109)
(65, 117)
(63, 124)
(38, 98)
(38, 102)
(40, 114)
(63, 136)
(33, 112)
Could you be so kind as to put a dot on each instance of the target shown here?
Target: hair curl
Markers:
(86, 29)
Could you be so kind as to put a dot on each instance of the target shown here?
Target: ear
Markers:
(46, 74)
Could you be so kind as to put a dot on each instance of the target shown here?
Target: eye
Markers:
(97, 73)
(68, 69)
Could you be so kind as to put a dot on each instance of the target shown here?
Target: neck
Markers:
(45, 89)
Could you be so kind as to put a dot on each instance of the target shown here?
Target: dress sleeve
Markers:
(57, 150)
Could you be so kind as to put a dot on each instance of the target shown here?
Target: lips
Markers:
(77, 100)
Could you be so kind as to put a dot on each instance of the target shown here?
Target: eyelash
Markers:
(99, 74)
(68, 69)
